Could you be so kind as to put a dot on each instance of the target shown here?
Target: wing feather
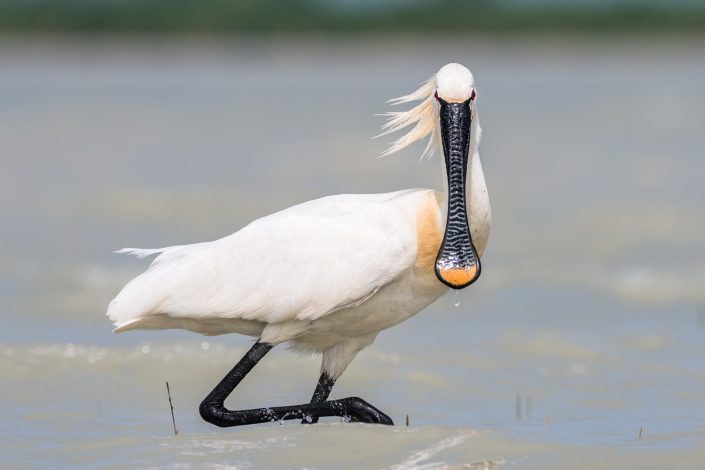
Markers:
(301, 263)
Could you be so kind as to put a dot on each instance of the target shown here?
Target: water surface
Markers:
(582, 343)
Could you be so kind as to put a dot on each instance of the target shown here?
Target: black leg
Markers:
(325, 385)
(213, 409)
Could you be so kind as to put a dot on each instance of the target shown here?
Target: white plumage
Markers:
(326, 275)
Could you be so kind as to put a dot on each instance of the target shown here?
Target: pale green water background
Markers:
(591, 308)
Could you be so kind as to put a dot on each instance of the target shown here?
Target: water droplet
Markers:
(457, 298)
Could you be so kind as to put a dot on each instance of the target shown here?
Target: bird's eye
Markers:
(435, 95)
(472, 97)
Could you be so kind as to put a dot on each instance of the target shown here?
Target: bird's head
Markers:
(455, 84)
(446, 112)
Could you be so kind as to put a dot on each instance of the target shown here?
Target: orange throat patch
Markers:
(429, 233)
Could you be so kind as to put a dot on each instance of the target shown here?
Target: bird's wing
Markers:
(301, 263)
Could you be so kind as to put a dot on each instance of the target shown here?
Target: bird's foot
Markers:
(362, 412)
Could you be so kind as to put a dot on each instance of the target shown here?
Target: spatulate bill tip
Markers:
(458, 277)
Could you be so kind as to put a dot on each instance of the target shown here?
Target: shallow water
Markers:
(582, 343)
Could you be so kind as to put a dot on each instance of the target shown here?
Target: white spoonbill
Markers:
(329, 274)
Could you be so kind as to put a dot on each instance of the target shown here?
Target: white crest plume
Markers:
(423, 116)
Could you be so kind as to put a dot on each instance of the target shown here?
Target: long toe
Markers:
(363, 412)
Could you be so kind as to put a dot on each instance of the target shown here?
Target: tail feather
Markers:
(140, 252)
(143, 295)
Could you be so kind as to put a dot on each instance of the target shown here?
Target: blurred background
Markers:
(152, 123)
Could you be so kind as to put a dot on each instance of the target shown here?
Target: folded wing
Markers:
(301, 263)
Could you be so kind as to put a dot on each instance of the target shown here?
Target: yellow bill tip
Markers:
(458, 277)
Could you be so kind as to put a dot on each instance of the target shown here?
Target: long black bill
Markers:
(457, 263)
